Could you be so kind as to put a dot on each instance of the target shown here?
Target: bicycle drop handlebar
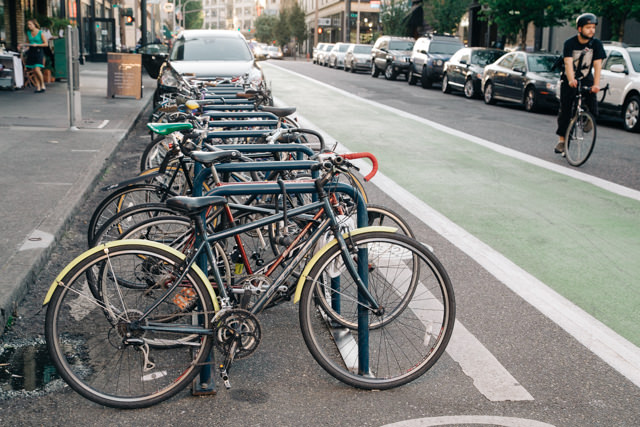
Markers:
(374, 162)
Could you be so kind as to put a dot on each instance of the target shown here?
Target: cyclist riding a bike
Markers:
(581, 53)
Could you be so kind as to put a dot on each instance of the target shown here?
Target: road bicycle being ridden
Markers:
(580, 138)
(376, 308)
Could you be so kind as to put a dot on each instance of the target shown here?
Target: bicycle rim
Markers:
(387, 352)
(580, 139)
(94, 346)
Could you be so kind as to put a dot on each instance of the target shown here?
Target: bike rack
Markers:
(204, 383)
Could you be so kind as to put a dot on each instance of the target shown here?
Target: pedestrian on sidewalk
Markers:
(581, 53)
(35, 53)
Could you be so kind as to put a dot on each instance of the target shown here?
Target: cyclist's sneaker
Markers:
(559, 147)
(587, 125)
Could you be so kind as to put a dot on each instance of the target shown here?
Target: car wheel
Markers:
(445, 84)
(411, 78)
(389, 74)
(631, 114)
(530, 100)
(469, 89)
(374, 70)
(424, 79)
(488, 94)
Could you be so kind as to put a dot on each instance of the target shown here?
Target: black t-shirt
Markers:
(583, 56)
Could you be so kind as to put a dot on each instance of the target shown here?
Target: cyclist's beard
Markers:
(584, 36)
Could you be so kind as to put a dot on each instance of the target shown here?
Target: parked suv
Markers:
(621, 71)
(428, 58)
(391, 56)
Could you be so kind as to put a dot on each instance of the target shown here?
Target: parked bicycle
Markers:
(376, 308)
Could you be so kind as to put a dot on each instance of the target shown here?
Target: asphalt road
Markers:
(615, 158)
(510, 366)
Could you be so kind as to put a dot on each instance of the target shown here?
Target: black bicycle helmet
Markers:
(586, 18)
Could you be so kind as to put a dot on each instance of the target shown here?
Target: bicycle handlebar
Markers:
(374, 162)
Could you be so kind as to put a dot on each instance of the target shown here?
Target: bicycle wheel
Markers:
(383, 216)
(580, 138)
(101, 346)
(124, 198)
(154, 152)
(398, 351)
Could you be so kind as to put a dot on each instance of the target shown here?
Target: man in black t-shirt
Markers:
(581, 53)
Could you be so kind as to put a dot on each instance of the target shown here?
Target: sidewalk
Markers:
(47, 168)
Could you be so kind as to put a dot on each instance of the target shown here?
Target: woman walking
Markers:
(35, 54)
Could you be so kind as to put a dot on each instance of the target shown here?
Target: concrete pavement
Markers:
(47, 168)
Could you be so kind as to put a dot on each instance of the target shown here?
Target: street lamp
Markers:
(182, 9)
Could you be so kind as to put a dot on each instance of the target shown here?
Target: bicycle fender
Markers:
(130, 181)
(325, 248)
(58, 280)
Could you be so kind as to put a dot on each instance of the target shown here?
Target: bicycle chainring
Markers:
(240, 327)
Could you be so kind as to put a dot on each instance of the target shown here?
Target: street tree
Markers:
(393, 16)
(192, 13)
(444, 15)
(297, 24)
(513, 17)
(265, 26)
(616, 11)
(282, 32)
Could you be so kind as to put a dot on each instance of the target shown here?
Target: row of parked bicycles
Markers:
(237, 209)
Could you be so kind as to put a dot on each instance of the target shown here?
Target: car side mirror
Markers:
(618, 68)
(422, 51)
(520, 70)
(464, 62)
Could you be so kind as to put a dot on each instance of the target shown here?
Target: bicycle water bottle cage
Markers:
(167, 128)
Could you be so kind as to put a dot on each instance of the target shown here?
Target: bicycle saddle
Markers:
(278, 111)
(194, 205)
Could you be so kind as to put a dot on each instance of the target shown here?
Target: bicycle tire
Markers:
(580, 138)
(154, 152)
(124, 198)
(94, 343)
(406, 347)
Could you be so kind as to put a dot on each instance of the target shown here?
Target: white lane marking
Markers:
(488, 375)
(470, 419)
(613, 349)
(598, 182)
(103, 124)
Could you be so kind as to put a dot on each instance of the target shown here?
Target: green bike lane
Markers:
(579, 239)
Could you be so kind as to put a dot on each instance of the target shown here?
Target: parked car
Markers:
(153, 56)
(323, 54)
(316, 50)
(464, 70)
(259, 50)
(428, 57)
(527, 78)
(274, 52)
(207, 54)
(390, 55)
(336, 56)
(621, 72)
(358, 57)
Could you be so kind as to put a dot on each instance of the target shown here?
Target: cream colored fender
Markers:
(325, 248)
(105, 247)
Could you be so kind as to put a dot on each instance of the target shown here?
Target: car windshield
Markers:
(211, 49)
(635, 60)
(541, 63)
(362, 49)
(446, 48)
(400, 45)
(272, 48)
(485, 57)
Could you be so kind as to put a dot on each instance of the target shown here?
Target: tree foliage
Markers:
(392, 16)
(265, 28)
(193, 16)
(282, 30)
(513, 17)
(616, 11)
(444, 15)
(297, 24)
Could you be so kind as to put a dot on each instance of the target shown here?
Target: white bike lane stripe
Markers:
(615, 350)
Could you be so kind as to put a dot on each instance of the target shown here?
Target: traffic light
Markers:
(128, 16)
(319, 30)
